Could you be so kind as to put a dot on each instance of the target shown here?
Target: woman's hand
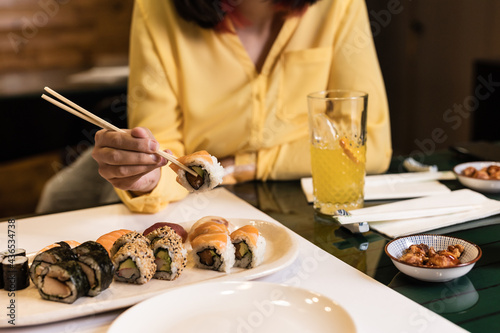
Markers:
(128, 160)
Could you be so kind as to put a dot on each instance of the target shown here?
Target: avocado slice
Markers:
(166, 261)
(128, 263)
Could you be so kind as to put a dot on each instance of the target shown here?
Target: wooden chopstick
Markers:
(92, 118)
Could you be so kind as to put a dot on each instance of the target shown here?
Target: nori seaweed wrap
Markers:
(54, 255)
(15, 273)
(96, 264)
(62, 282)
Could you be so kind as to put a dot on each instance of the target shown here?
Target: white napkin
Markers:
(395, 186)
(480, 207)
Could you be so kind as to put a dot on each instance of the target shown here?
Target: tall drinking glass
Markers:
(337, 127)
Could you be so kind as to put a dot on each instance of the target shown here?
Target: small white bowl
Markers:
(481, 185)
(395, 249)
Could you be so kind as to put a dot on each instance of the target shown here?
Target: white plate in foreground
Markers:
(249, 306)
(281, 251)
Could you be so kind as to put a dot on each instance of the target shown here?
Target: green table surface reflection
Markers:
(472, 301)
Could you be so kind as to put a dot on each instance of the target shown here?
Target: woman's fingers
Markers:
(127, 141)
(128, 160)
(113, 156)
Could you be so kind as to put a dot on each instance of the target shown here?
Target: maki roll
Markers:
(130, 237)
(169, 254)
(207, 228)
(208, 169)
(161, 232)
(62, 282)
(215, 219)
(69, 243)
(94, 260)
(213, 251)
(17, 252)
(46, 258)
(249, 245)
(134, 263)
(15, 273)
(177, 228)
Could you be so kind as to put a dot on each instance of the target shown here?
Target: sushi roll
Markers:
(93, 258)
(208, 169)
(17, 252)
(161, 232)
(70, 243)
(15, 273)
(46, 258)
(170, 256)
(249, 245)
(131, 237)
(107, 240)
(215, 219)
(207, 228)
(213, 251)
(134, 263)
(62, 282)
(177, 228)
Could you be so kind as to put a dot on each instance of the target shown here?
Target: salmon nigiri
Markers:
(107, 240)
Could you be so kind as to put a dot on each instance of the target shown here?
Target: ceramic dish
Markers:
(281, 251)
(395, 248)
(481, 185)
(222, 307)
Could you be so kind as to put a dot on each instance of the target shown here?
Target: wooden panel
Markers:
(57, 34)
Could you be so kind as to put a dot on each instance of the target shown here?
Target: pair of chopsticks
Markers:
(80, 112)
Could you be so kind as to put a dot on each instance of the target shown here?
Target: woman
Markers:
(232, 78)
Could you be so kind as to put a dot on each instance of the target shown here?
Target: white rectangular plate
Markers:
(31, 309)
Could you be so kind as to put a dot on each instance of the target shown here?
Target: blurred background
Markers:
(440, 61)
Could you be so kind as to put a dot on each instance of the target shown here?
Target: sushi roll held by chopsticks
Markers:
(208, 169)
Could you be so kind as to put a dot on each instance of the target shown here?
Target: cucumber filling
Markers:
(243, 254)
(128, 269)
(163, 261)
(199, 180)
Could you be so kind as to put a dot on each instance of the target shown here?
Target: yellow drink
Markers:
(338, 176)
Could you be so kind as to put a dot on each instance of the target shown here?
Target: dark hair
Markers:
(211, 13)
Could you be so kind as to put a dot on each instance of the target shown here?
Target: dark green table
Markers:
(472, 301)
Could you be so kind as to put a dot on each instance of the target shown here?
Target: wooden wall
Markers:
(63, 34)
(428, 51)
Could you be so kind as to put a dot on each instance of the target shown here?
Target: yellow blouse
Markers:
(198, 89)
